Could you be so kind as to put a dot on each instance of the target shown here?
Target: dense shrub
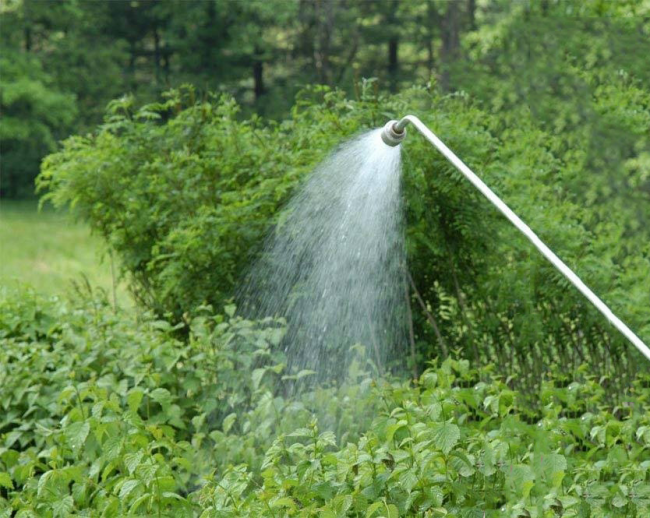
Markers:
(186, 192)
(109, 414)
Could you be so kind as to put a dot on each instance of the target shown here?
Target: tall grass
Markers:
(51, 252)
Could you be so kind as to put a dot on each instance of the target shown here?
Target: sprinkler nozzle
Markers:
(391, 135)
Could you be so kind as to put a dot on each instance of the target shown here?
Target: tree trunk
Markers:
(393, 44)
(258, 78)
(393, 63)
(28, 39)
(324, 12)
(471, 11)
(450, 29)
(165, 63)
(544, 5)
(132, 58)
(348, 62)
(430, 24)
(27, 27)
(156, 54)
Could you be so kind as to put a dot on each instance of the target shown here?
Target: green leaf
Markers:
(76, 434)
(162, 396)
(112, 447)
(284, 502)
(228, 422)
(43, 482)
(553, 463)
(304, 373)
(341, 504)
(520, 479)
(445, 436)
(257, 377)
(63, 506)
(434, 496)
(128, 487)
(147, 472)
(134, 398)
(301, 432)
(373, 508)
(132, 460)
(139, 501)
(408, 480)
(462, 463)
(5, 481)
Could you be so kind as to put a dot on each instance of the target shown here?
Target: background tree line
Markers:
(62, 61)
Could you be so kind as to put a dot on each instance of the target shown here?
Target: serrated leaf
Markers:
(162, 396)
(112, 447)
(553, 463)
(462, 463)
(408, 480)
(341, 504)
(132, 460)
(435, 496)
(275, 335)
(43, 481)
(134, 398)
(97, 409)
(228, 422)
(5, 481)
(147, 472)
(301, 432)
(138, 502)
(77, 433)
(373, 508)
(63, 506)
(519, 478)
(128, 487)
(257, 376)
(445, 436)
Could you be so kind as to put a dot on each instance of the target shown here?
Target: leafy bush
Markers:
(185, 192)
(109, 414)
(185, 201)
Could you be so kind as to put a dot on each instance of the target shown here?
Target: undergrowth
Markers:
(112, 414)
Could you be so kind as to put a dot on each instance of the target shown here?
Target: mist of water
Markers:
(334, 265)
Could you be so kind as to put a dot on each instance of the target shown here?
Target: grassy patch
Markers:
(48, 250)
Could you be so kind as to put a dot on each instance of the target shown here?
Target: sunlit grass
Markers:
(51, 252)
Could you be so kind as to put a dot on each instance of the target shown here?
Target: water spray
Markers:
(394, 133)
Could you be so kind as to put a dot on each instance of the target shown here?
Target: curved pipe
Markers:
(398, 132)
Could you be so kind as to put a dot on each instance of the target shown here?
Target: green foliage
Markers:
(105, 413)
(184, 202)
(177, 411)
(34, 116)
(186, 193)
(264, 52)
(572, 154)
(58, 71)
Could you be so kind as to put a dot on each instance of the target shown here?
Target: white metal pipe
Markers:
(398, 130)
